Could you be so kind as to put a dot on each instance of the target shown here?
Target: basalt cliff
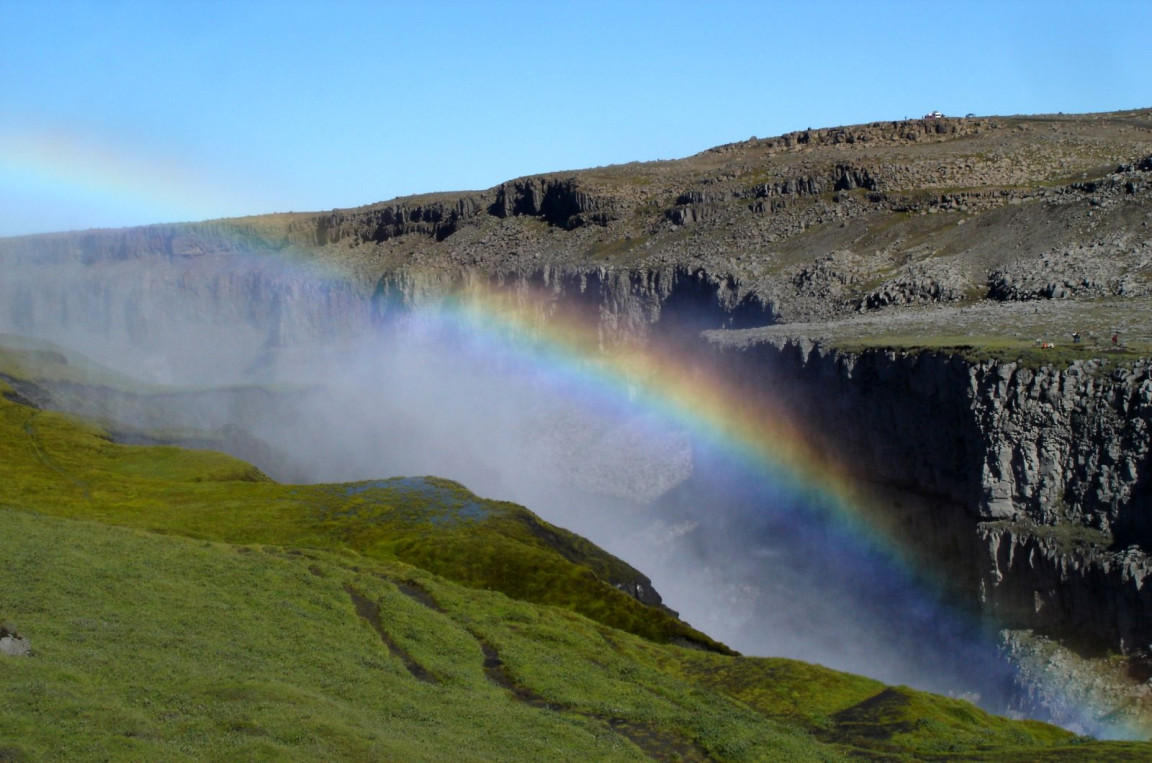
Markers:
(958, 309)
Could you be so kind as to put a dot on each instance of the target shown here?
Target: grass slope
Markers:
(259, 620)
(55, 464)
(148, 646)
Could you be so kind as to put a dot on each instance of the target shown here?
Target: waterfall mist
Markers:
(338, 387)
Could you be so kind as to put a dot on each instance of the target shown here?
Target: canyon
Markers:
(892, 287)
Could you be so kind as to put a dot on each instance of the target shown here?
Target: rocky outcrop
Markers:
(687, 214)
(697, 206)
(828, 279)
(1121, 267)
(435, 219)
(803, 185)
(872, 134)
(559, 202)
(920, 283)
(1067, 445)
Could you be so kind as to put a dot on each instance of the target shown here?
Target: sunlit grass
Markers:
(54, 464)
(232, 631)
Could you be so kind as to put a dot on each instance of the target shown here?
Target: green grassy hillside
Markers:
(57, 465)
(148, 646)
(181, 605)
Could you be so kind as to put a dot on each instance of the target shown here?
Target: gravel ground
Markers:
(982, 323)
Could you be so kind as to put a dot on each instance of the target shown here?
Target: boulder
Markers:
(12, 644)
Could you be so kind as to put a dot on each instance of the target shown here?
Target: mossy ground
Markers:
(181, 605)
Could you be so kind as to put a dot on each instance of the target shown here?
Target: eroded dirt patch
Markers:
(370, 612)
(657, 743)
(414, 591)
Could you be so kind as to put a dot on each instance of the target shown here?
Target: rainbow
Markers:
(759, 436)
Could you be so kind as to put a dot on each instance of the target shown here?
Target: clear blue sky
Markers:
(122, 113)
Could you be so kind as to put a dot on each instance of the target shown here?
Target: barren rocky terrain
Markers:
(849, 223)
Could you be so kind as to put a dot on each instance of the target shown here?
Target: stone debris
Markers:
(12, 644)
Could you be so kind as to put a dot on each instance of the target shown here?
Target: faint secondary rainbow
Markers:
(84, 172)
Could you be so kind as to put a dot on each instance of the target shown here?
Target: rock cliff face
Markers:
(559, 202)
(436, 219)
(627, 306)
(1035, 480)
(149, 302)
(177, 306)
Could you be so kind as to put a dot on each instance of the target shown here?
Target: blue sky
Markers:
(124, 113)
